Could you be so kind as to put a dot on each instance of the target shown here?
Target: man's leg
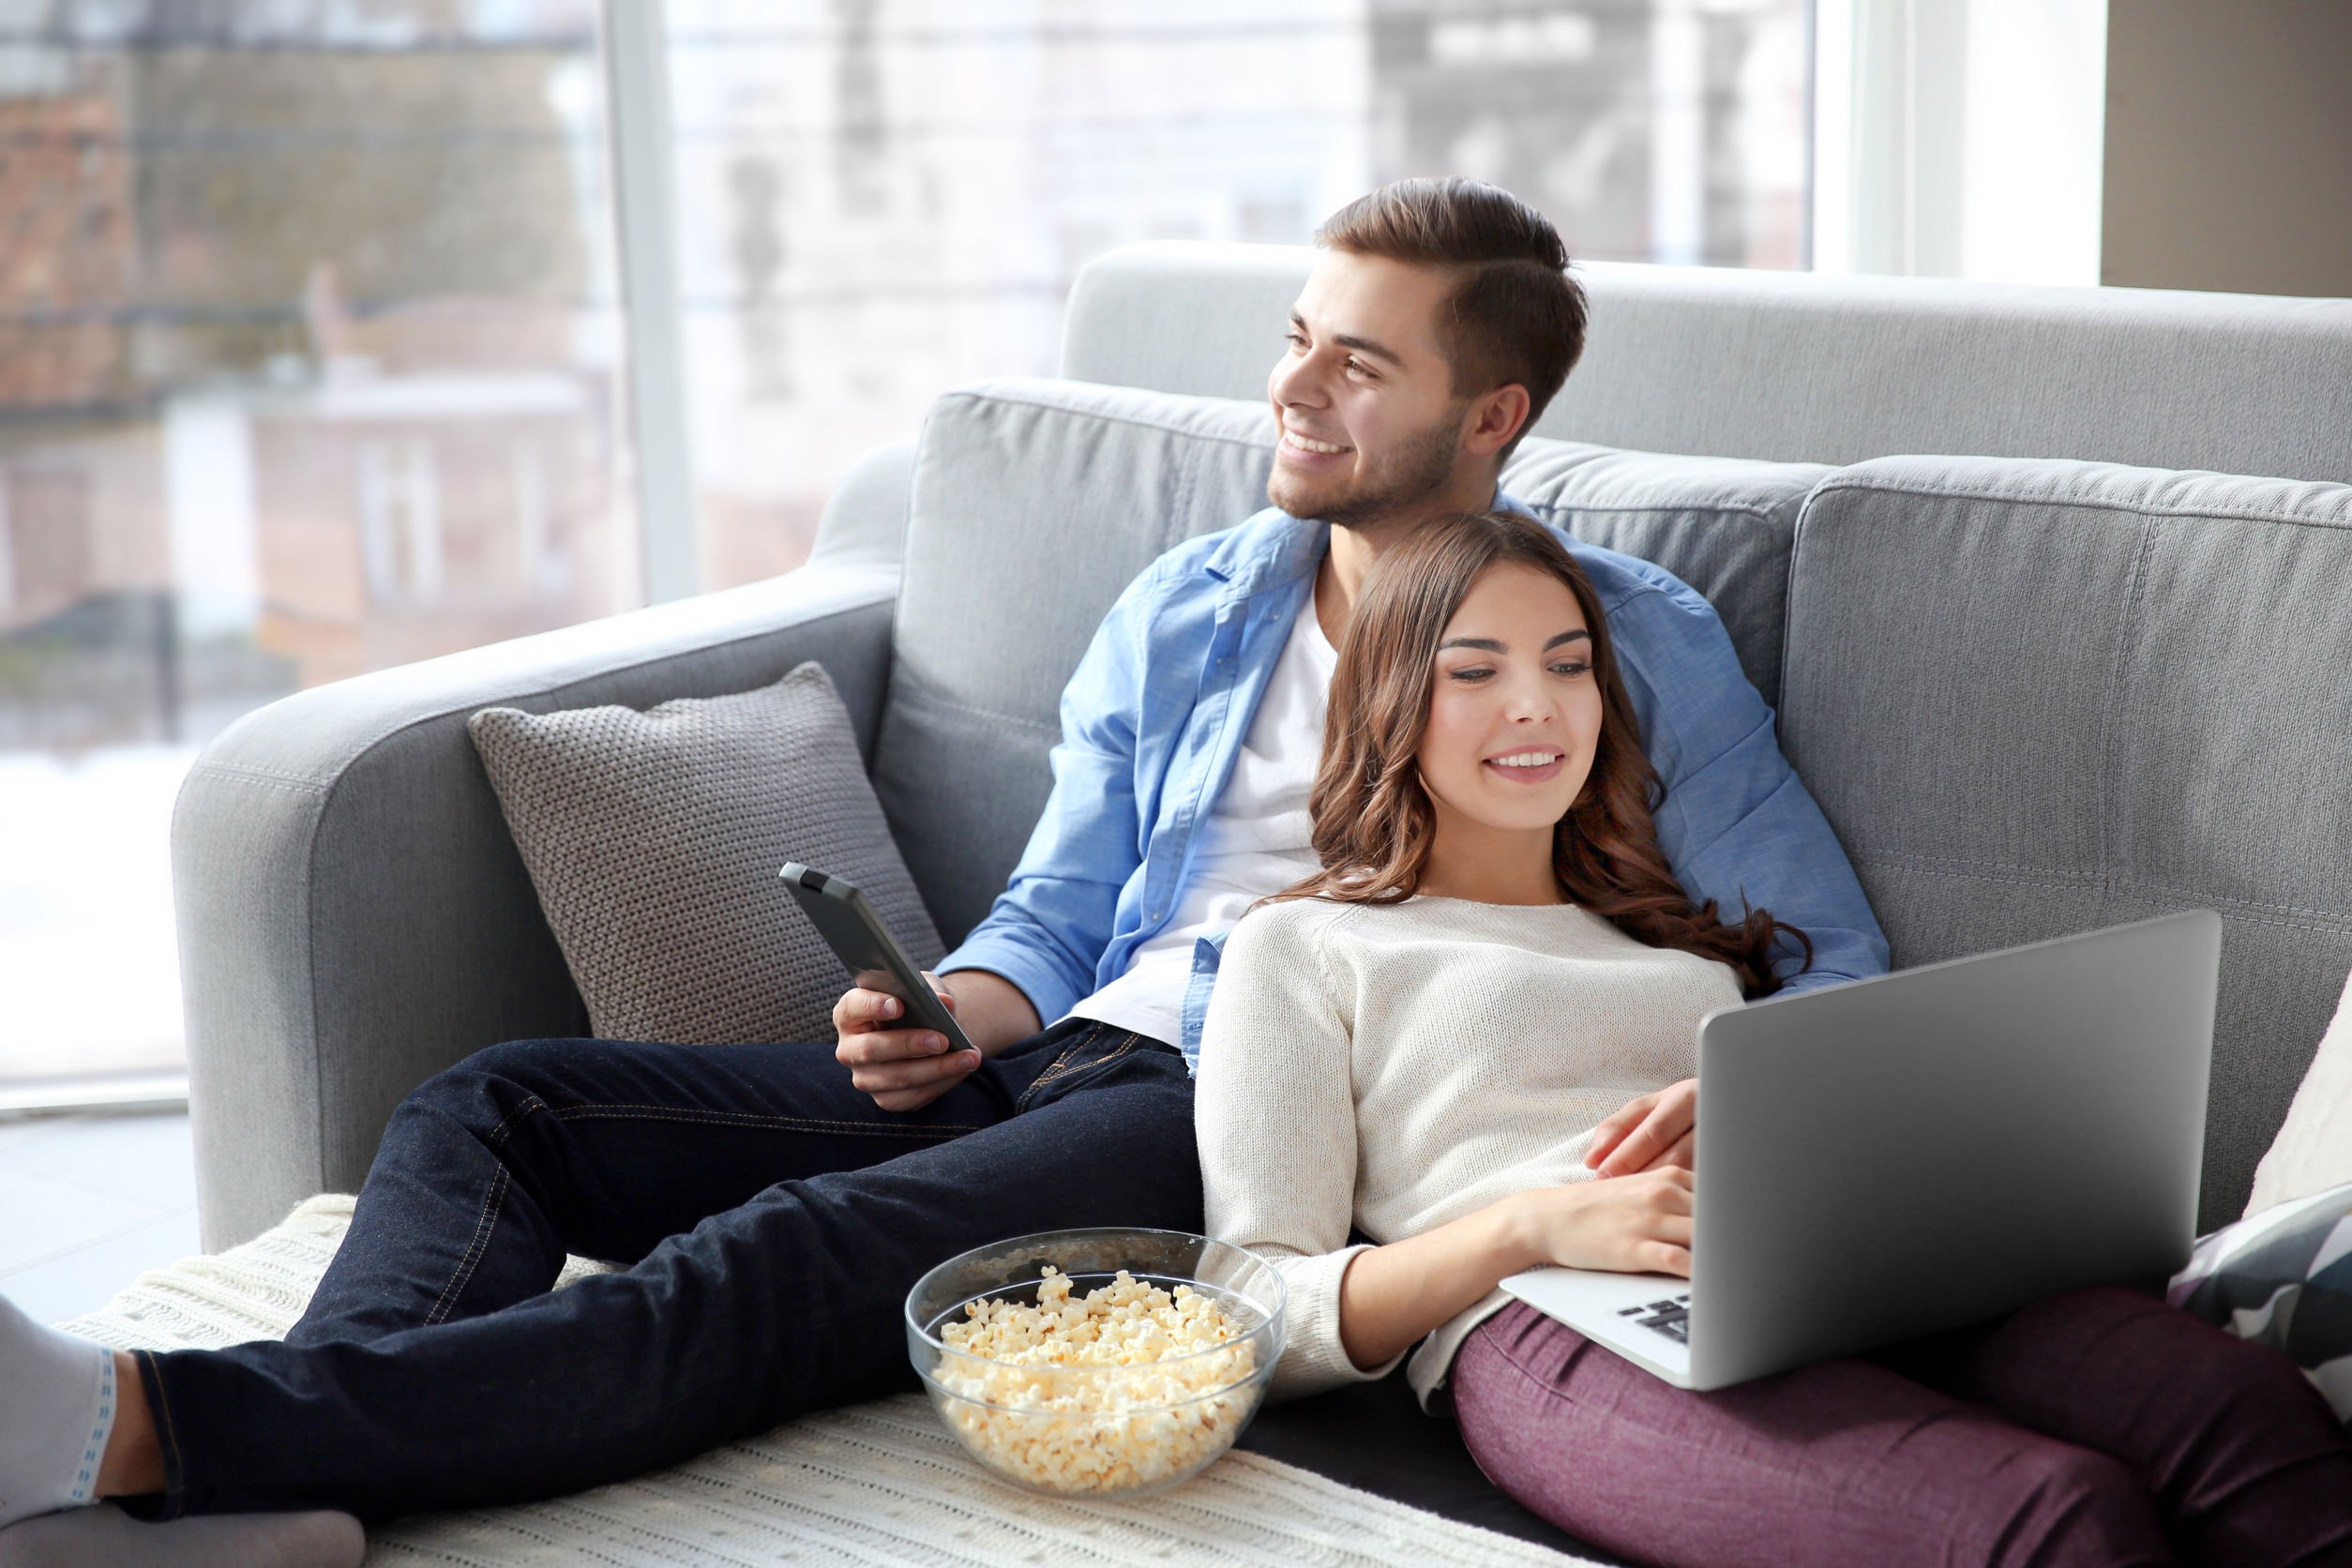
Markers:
(491, 1171)
(789, 1301)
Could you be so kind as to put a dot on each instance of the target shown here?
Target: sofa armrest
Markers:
(351, 914)
(866, 517)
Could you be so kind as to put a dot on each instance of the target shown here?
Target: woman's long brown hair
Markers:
(1373, 820)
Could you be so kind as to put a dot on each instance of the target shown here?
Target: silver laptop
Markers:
(1926, 1149)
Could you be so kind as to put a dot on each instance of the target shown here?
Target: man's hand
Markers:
(907, 1068)
(1652, 1131)
(904, 1069)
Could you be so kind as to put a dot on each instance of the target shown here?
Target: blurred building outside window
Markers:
(312, 343)
(877, 199)
(308, 366)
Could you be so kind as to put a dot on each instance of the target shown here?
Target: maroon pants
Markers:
(2097, 1426)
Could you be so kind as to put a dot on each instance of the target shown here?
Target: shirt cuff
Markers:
(1000, 952)
(1314, 1359)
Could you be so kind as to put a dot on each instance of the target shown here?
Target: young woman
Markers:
(1470, 1038)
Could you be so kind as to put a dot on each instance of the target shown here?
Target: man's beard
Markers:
(1423, 467)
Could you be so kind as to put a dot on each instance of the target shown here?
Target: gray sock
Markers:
(105, 1537)
(57, 1408)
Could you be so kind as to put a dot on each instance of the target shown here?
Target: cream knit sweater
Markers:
(1397, 1067)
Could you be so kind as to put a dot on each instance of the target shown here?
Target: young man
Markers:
(774, 1209)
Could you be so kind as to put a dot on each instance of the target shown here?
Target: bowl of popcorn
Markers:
(1097, 1364)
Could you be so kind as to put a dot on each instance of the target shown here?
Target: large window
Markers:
(308, 367)
(878, 199)
(311, 347)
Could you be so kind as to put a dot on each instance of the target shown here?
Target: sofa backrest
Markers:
(2032, 697)
(2038, 698)
(1030, 507)
(1033, 504)
(1800, 367)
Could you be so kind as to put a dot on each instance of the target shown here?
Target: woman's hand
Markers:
(1391, 1295)
(1637, 1224)
(1651, 1131)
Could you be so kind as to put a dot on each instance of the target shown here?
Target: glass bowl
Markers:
(1098, 1432)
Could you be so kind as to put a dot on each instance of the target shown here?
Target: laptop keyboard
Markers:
(1670, 1317)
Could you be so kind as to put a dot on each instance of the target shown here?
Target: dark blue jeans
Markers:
(772, 1218)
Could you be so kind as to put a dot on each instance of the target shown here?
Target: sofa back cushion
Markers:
(1723, 525)
(1819, 367)
(2039, 696)
(1033, 503)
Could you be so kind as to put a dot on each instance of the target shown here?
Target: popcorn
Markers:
(1064, 1420)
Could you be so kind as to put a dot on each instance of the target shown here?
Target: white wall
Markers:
(2229, 146)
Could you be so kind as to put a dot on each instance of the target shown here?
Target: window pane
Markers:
(308, 359)
(878, 199)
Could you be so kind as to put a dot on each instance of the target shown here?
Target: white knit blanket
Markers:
(883, 1483)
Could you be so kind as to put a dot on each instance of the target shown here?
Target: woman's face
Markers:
(1514, 708)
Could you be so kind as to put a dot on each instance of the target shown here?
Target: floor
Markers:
(89, 1201)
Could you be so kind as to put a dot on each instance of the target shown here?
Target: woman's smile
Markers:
(1528, 766)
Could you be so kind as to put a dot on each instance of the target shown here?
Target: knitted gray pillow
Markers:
(653, 838)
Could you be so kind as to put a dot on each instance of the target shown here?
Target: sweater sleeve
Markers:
(1275, 1112)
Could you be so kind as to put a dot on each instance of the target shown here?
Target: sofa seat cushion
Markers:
(1034, 503)
(654, 840)
(2039, 698)
(876, 1483)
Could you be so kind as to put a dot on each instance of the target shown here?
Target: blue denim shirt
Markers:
(1155, 715)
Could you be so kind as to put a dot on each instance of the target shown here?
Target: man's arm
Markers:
(1049, 928)
(1737, 821)
(1035, 955)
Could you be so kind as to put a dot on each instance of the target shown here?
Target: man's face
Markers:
(1364, 398)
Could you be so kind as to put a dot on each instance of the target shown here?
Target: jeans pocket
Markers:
(1089, 1060)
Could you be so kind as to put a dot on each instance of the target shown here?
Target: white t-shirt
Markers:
(1257, 839)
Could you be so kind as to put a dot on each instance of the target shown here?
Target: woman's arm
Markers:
(1393, 1295)
(1274, 1116)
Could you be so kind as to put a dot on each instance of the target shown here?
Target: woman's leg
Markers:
(2247, 1464)
(1843, 1462)
(788, 1301)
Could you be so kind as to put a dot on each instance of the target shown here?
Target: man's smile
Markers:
(1309, 444)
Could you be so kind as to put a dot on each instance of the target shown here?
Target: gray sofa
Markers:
(2051, 683)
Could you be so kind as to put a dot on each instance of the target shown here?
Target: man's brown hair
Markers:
(1515, 315)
